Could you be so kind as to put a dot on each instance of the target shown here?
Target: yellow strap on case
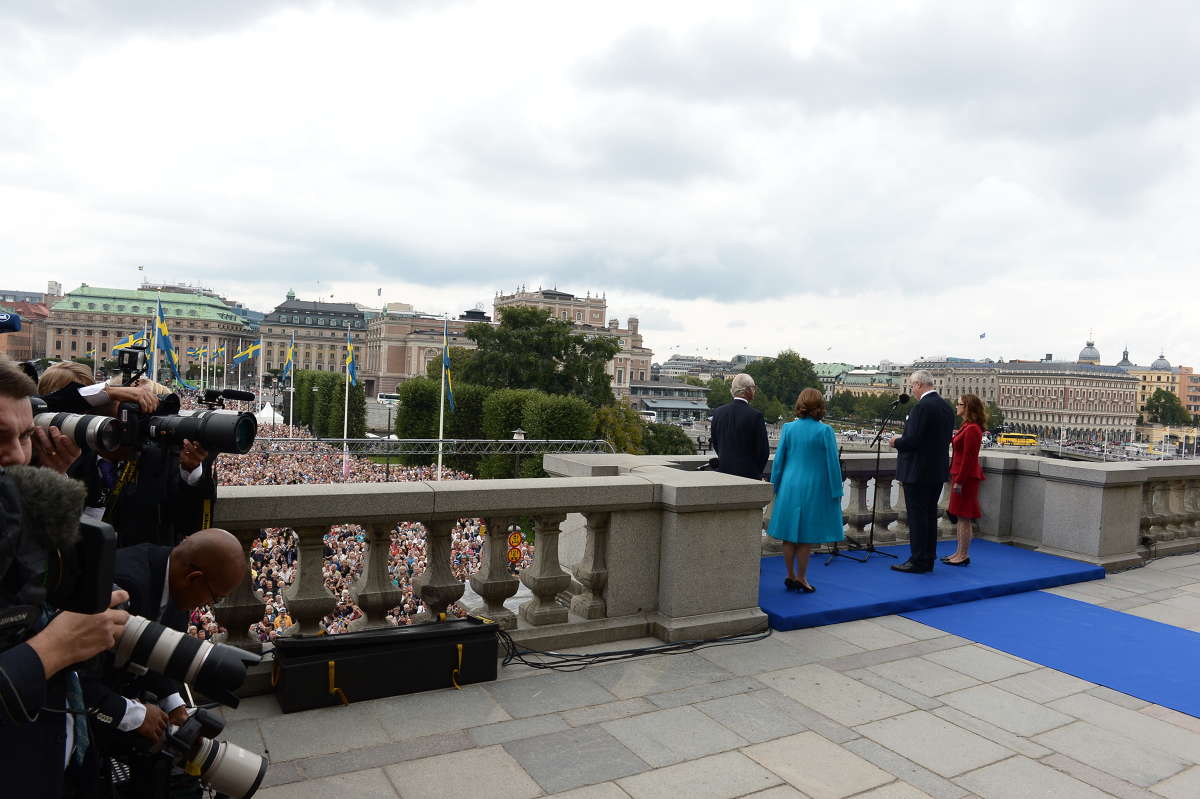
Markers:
(333, 689)
(455, 672)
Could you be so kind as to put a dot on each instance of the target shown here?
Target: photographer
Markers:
(37, 686)
(164, 584)
(148, 495)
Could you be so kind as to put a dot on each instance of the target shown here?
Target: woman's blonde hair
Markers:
(63, 374)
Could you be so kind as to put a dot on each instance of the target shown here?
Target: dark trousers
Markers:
(921, 500)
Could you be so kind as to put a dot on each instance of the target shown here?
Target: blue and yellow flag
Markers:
(192, 352)
(351, 366)
(219, 352)
(249, 352)
(449, 378)
(291, 357)
(162, 341)
(90, 353)
(135, 339)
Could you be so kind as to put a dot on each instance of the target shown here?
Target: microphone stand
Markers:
(877, 442)
(834, 550)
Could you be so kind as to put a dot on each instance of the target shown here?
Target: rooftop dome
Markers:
(1160, 363)
(1125, 363)
(1089, 354)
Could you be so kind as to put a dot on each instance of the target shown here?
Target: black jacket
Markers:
(141, 570)
(739, 435)
(923, 451)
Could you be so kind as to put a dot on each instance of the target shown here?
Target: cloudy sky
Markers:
(854, 180)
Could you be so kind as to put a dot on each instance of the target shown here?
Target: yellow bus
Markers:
(1017, 440)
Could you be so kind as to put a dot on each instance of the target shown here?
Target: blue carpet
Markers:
(847, 591)
(1136, 656)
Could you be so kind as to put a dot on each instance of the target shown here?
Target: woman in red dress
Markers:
(965, 475)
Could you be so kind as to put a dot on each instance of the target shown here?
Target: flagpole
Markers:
(225, 365)
(442, 402)
(154, 344)
(261, 356)
(346, 412)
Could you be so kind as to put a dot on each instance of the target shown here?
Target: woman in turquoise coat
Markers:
(808, 488)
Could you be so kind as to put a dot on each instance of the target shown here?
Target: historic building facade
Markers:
(401, 345)
(320, 330)
(91, 316)
(955, 378)
(1076, 400)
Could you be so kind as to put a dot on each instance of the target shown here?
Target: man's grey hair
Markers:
(921, 378)
(741, 384)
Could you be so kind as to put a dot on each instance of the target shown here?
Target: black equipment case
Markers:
(322, 670)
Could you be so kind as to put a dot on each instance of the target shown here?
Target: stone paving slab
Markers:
(547, 692)
(505, 731)
(672, 736)
(896, 790)
(1100, 780)
(934, 743)
(581, 717)
(581, 756)
(983, 664)
(835, 695)
(914, 698)
(660, 675)
(1146, 730)
(1022, 778)
(755, 717)
(464, 775)
(993, 733)
(1184, 785)
(867, 634)
(768, 654)
(1043, 685)
(604, 790)
(923, 676)
(724, 776)
(813, 644)
(817, 767)
(1007, 711)
(370, 784)
(703, 692)
(321, 732)
(1113, 753)
(905, 769)
(431, 712)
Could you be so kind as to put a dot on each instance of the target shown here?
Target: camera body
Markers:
(224, 767)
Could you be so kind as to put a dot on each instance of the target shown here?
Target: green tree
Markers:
(784, 376)
(323, 426)
(692, 380)
(339, 417)
(772, 409)
(1163, 407)
(718, 392)
(304, 398)
(529, 349)
(667, 439)
(843, 405)
(995, 417)
(504, 412)
(466, 421)
(549, 416)
(621, 426)
(460, 358)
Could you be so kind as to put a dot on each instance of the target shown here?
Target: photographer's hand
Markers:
(178, 716)
(73, 637)
(192, 455)
(143, 395)
(55, 451)
(154, 725)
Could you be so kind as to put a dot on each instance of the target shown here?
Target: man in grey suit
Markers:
(923, 466)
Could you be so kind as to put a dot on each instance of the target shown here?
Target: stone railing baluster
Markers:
(945, 527)
(857, 513)
(1191, 506)
(881, 497)
(493, 582)
(1159, 512)
(437, 586)
(377, 594)
(592, 569)
(307, 598)
(545, 577)
(242, 607)
(900, 529)
(1177, 524)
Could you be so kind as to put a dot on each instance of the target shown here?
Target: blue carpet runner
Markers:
(1143, 658)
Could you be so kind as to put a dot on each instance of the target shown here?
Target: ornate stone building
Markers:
(401, 344)
(955, 378)
(320, 330)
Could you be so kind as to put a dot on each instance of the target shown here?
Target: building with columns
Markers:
(589, 316)
(1081, 400)
(1160, 374)
(320, 331)
(402, 343)
(953, 378)
(91, 316)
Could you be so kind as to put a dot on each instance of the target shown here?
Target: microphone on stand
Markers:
(901, 400)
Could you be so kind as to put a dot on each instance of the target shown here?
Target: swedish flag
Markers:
(249, 352)
(351, 367)
(219, 352)
(291, 357)
(449, 378)
(162, 341)
(90, 353)
(134, 339)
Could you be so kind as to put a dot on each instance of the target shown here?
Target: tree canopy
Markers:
(530, 349)
(718, 392)
(1163, 407)
(783, 377)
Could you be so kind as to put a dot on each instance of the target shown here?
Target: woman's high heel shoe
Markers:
(790, 584)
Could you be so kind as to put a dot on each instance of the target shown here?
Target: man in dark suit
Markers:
(164, 584)
(739, 434)
(923, 466)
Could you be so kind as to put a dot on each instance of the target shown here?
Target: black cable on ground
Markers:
(563, 661)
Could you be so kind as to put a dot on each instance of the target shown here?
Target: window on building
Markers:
(74, 346)
(74, 305)
(308, 320)
(58, 345)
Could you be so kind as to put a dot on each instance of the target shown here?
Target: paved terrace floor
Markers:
(885, 708)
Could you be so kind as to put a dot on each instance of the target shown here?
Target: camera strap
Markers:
(128, 474)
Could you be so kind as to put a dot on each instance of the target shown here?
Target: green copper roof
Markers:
(92, 299)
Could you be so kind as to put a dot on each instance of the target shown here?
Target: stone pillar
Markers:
(900, 529)
(437, 586)
(881, 499)
(1191, 506)
(242, 607)
(857, 514)
(378, 595)
(592, 570)
(1177, 523)
(945, 527)
(493, 582)
(307, 598)
(545, 577)
(1159, 512)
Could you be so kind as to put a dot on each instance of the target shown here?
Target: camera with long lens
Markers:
(224, 767)
(215, 429)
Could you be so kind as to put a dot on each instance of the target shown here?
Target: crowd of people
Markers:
(274, 554)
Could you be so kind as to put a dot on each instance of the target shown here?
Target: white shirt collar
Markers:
(166, 592)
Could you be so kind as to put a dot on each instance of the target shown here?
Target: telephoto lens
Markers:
(215, 670)
(226, 768)
(98, 433)
(215, 430)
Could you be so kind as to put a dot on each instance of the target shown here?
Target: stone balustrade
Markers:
(652, 537)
